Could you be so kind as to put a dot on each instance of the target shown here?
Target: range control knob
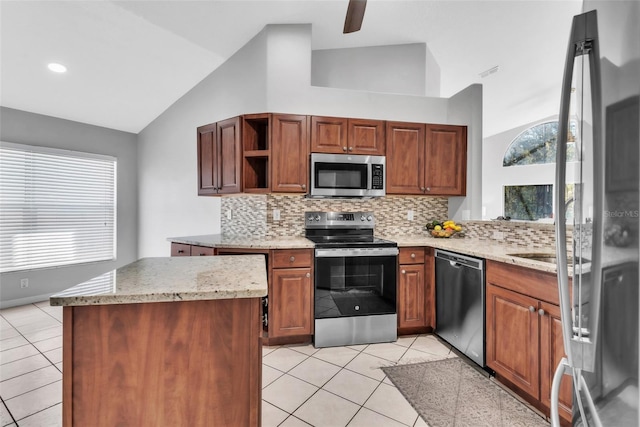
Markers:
(310, 218)
(369, 218)
(317, 218)
(362, 218)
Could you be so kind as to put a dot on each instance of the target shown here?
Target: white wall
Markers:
(465, 107)
(388, 69)
(169, 203)
(35, 129)
(272, 73)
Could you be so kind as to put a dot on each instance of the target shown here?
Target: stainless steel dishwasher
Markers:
(460, 303)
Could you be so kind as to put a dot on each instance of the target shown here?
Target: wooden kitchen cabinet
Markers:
(256, 152)
(182, 249)
(446, 160)
(426, 159)
(523, 332)
(291, 295)
(219, 158)
(412, 308)
(289, 153)
(340, 135)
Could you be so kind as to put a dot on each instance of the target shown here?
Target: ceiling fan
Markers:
(355, 14)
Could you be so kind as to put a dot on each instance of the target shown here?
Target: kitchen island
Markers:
(165, 341)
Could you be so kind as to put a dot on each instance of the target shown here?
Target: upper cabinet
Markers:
(219, 158)
(446, 160)
(262, 153)
(290, 153)
(426, 159)
(339, 135)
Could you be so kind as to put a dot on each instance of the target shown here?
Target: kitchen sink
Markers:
(549, 257)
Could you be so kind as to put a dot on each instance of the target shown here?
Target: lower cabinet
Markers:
(414, 290)
(523, 333)
(182, 249)
(291, 294)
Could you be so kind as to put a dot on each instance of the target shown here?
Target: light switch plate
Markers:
(410, 215)
(276, 214)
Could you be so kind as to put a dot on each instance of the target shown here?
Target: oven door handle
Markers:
(355, 252)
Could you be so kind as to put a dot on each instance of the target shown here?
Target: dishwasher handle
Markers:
(458, 260)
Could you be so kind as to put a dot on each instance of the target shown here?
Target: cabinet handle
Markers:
(404, 271)
(541, 312)
(350, 148)
(292, 259)
(413, 255)
(308, 274)
(531, 309)
(180, 251)
(304, 186)
(344, 148)
(428, 188)
(422, 189)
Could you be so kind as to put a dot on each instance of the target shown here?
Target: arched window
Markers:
(537, 145)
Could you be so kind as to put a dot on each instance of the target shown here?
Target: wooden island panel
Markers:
(184, 363)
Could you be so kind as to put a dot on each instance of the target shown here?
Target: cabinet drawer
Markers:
(180, 249)
(202, 251)
(292, 258)
(411, 256)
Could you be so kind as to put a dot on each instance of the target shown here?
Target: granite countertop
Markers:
(244, 242)
(487, 249)
(496, 251)
(172, 279)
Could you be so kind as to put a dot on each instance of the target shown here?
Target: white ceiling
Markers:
(130, 60)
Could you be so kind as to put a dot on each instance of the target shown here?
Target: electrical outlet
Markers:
(498, 235)
(229, 214)
(276, 214)
(24, 283)
(410, 215)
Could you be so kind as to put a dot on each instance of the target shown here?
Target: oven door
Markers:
(355, 282)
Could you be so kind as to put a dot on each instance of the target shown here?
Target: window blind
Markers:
(57, 207)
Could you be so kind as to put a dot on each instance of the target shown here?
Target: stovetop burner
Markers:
(343, 229)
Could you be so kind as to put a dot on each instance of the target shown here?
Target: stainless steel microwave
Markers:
(347, 175)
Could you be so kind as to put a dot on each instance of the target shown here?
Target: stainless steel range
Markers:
(355, 279)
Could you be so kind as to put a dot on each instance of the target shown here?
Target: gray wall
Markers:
(272, 73)
(35, 129)
(389, 69)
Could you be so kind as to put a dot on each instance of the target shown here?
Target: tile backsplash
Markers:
(253, 215)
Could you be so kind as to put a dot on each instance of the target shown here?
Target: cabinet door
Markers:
(290, 152)
(207, 158)
(328, 135)
(230, 156)
(366, 137)
(290, 302)
(411, 296)
(551, 351)
(512, 332)
(405, 158)
(446, 160)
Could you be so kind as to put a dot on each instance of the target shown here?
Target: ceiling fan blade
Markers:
(355, 14)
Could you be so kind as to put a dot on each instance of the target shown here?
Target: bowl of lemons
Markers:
(444, 229)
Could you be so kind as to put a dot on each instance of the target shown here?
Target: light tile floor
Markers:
(302, 385)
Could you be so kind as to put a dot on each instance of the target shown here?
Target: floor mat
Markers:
(452, 393)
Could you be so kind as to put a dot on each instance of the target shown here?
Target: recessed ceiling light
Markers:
(57, 68)
(488, 72)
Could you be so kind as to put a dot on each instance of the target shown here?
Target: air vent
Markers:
(488, 72)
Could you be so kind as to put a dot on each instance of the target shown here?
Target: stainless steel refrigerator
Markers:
(597, 215)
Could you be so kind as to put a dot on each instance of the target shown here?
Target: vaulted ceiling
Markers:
(130, 60)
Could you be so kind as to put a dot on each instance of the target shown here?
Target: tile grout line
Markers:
(9, 412)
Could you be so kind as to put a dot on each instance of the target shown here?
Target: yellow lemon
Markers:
(437, 228)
